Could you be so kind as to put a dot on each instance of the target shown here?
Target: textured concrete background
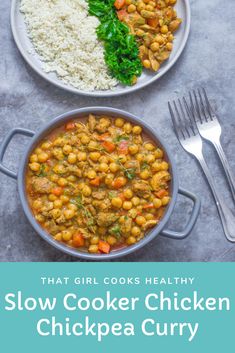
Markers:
(26, 100)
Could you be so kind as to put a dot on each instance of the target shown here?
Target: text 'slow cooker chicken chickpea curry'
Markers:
(98, 183)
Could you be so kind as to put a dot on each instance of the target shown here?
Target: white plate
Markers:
(27, 50)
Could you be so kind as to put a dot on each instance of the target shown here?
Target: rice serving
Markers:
(64, 36)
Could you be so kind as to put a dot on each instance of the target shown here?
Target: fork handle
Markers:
(227, 217)
(227, 169)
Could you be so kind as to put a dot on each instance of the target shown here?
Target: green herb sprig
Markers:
(121, 49)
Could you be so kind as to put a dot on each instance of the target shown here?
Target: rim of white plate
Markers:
(106, 93)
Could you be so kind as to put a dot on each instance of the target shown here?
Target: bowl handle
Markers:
(4, 146)
(193, 217)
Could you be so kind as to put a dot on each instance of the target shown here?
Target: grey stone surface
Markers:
(27, 100)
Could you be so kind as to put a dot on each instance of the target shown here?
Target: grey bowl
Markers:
(159, 229)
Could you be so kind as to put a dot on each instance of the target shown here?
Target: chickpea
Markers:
(54, 178)
(38, 150)
(145, 174)
(172, 2)
(72, 178)
(58, 153)
(119, 122)
(150, 158)
(103, 167)
(169, 46)
(62, 182)
(109, 179)
(56, 213)
(157, 203)
(128, 2)
(94, 240)
(66, 235)
(154, 46)
(158, 153)
(114, 167)
(94, 156)
(137, 130)
(91, 174)
(135, 201)
(58, 141)
(122, 158)
(127, 205)
(140, 157)
(141, 6)
(128, 193)
(59, 169)
(149, 216)
(93, 248)
(58, 237)
(135, 231)
(72, 158)
(86, 191)
(149, 146)
(52, 197)
(73, 207)
(67, 149)
(133, 149)
(85, 139)
(164, 165)
(46, 145)
(165, 200)
(111, 240)
(164, 29)
(37, 204)
(81, 156)
(57, 204)
(159, 39)
(140, 220)
(35, 167)
(102, 230)
(40, 218)
(140, 32)
(131, 240)
(131, 8)
(69, 214)
(64, 199)
(171, 37)
(104, 159)
(149, 8)
(33, 158)
(127, 128)
(116, 202)
(92, 146)
(147, 64)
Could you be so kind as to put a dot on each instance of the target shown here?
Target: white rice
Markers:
(64, 36)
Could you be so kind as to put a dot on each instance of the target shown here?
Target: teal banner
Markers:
(117, 307)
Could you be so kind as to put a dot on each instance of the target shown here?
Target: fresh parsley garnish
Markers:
(144, 165)
(120, 46)
(42, 172)
(116, 230)
(130, 173)
(120, 138)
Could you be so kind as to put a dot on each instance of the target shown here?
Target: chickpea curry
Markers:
(98, 183)
(153, 22)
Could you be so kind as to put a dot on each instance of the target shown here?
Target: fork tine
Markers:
(190, 116)
(184, 118)
(202, 105)
(209, 108)
(195, 115)
(197, 107)
(176, 124)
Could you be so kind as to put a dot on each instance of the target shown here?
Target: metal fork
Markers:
(191, 141)
(210, 129)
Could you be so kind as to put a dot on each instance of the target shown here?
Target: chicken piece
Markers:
(91, 122)
(141, 188)
(99, 195)
(105, 219)
(103, 125)
(102, 205)
(133, 164)
(54, 228)
(41, 185)
(159, 180)
(126, 226)
(150, 224)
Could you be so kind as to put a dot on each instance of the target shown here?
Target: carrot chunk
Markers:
(123, 147)
(57, 191)
(119, 4)
(108, 146)
(148, 205)
(70, 125)
(95, 182)
(153, 22)
(161, 193)
(103, 246)
(78, 240)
